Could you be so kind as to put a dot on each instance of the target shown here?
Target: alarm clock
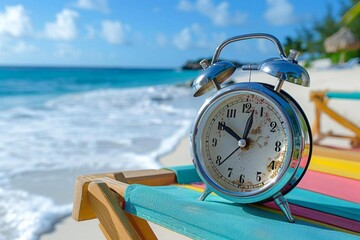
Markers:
(251, 142)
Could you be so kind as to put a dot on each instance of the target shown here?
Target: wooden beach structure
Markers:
(326, 204)
(321, 101)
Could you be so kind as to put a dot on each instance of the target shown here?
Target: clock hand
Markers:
(229, 156)
(248, 125)
(231, 132)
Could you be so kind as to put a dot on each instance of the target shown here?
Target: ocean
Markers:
(58, 123)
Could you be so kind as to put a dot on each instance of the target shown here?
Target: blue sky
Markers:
(140, 33)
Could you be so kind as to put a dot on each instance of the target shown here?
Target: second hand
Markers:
(229, 155)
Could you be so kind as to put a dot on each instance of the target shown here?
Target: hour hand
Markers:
(231, 132)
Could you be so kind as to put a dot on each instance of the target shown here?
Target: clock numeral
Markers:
(261, 111)
(242, 178)
(258, 176)
(231, 113)
(218, 160)
(221, 125)
(272, 165)
(230, 171)
(277, 146)
(214, 142)
(273, 125)
(246, 108)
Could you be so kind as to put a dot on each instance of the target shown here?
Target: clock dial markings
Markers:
(264, 128)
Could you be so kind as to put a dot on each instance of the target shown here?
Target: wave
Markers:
(82, 133)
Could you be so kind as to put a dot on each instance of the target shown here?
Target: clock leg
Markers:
(283, 204)
(206, 193)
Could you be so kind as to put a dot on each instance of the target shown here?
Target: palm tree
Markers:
(351, 14)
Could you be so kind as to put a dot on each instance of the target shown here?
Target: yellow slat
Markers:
(340, 167)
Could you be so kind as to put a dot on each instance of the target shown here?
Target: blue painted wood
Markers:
(178, 209)
(344, 95)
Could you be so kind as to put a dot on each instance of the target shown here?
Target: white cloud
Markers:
(279, 12)
(23, 47)
(64, 27)
(114, 31)
(90, 32)
(185, 5)
(10, 46)
(195, 37)
(97, 5)
(161, 40)
(219, 14)
(15, 21)
(182, 40)
(265, 46)
(67, 51)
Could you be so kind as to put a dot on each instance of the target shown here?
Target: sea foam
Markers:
(45, 146)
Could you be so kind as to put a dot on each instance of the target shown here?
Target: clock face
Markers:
(244, 142)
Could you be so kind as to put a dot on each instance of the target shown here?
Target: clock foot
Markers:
(283, 204)
(205, 194)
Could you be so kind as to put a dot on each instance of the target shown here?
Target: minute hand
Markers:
(248, 125)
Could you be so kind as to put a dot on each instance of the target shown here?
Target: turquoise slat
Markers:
(323, 203)
(344, 95)
(176, 208)
(185, 174)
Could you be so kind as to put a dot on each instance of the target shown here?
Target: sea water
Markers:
(58, 123)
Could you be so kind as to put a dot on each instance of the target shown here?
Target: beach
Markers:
(62, 122)
(332, 79)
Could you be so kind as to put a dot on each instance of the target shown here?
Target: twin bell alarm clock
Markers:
(251, 142)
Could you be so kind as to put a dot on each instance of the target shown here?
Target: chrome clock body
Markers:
(284, 167)
(251, 142)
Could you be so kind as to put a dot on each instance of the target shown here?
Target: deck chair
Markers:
(321, 100)
(326, 204)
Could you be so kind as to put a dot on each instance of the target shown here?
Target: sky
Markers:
(144, 33)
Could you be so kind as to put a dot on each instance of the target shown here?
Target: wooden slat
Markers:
(148, 177)
(338, 118)
(350, 155)
(331, 185)
(339, 167)
(112, 218)
(307, 214)
(321, 99)
(82, 209)
(344, 163)
(142, 227)
(107, 236)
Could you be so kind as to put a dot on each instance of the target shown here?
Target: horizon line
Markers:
(86, 66)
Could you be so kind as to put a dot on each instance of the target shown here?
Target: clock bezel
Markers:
(288, 176)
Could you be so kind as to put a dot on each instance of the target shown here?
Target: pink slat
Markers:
(322, 217)
(331, 185)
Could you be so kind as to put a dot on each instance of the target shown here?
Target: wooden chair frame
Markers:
(321, 107)
(102, 196)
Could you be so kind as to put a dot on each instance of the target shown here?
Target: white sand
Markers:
(69, 229)
(333, 79)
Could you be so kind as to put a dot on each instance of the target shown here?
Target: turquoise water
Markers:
(58, 123)
(41, 82)
(47, 80)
